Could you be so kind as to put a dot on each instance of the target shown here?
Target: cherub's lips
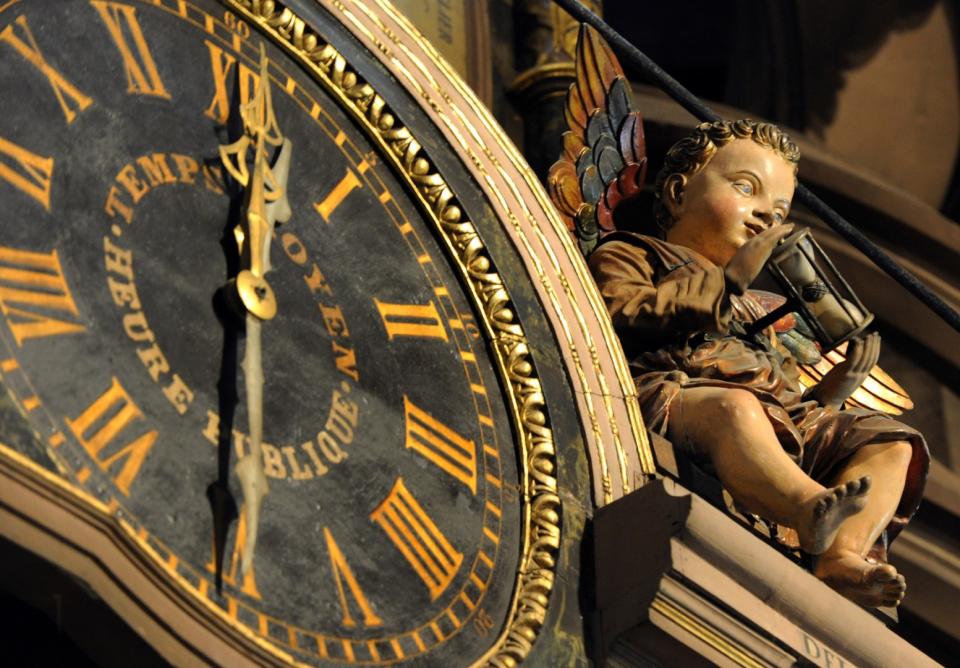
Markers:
(754, 228)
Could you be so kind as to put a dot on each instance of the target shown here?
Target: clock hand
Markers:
(265, 204)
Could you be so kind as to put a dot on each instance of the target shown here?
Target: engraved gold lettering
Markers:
(31, 285)
(294, 249)
(313, 458)
(330, 448)
(440, 444)
(342, 572)
(212, 431)
(114, 206)
(213, 178)
(123, 293)
(318, 465)
(187, 167)
(178, 394)
(29, 173)
(419, 540)
(141, 70)
(346, 361)
(71, 100)
(98, 426)
(221, 65)
(417, 320)
(136, 327)
(119, 262)
(156, 168)
(316, 281)
(273, 461)
(328, 204)
(296, 472)
(333, 321)
(127, 176)
(155, 361)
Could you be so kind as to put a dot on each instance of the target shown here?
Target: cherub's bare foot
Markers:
(862, 581)
(821, 516)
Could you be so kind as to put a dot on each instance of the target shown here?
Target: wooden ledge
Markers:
(666, 557)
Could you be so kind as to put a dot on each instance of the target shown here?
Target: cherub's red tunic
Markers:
(679, 329)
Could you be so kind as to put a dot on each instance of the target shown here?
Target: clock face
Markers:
(392, 529)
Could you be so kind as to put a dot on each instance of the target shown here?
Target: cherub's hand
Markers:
(743, 268)
(844, 379)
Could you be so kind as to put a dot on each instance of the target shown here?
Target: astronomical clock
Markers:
(306, 370)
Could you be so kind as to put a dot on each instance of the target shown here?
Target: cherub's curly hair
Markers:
(692, 153)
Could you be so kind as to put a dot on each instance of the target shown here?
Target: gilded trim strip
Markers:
(737, 654)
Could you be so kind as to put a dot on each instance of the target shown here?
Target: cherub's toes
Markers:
(885, 574)
(855, 487)
(824, 505)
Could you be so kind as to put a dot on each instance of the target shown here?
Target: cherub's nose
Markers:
(765, 214)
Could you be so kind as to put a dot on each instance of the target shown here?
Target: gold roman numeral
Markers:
(221, 64)
(419, 320)
(341, 573)
(31, 284)
(441, 445)
(98, 426)
(328, 204)
(141, 70)
(72, 101)
(35, 172)
(229, 574)
(418, 539)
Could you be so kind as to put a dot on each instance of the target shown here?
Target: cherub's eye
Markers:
(777, 217)
(744, 187)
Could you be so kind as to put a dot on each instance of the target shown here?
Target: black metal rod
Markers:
(632, 55)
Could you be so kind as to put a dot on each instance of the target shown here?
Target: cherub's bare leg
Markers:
(729, 425)
(844, 566)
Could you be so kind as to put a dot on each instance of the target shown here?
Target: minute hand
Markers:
(265, 204)
(252, 286)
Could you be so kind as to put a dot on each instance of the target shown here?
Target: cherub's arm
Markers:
(678, 304)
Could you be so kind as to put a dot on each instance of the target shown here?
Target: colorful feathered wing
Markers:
(604, 161)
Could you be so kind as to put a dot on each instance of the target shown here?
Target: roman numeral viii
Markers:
(98, 427)
(417, 537)
(32, 287)
(440, 444)
(142, 75)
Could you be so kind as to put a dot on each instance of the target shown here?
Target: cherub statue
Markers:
(845, 479)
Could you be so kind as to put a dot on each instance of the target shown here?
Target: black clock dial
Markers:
(392, 528)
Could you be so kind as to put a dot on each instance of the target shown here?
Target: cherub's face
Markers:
(744, 189)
